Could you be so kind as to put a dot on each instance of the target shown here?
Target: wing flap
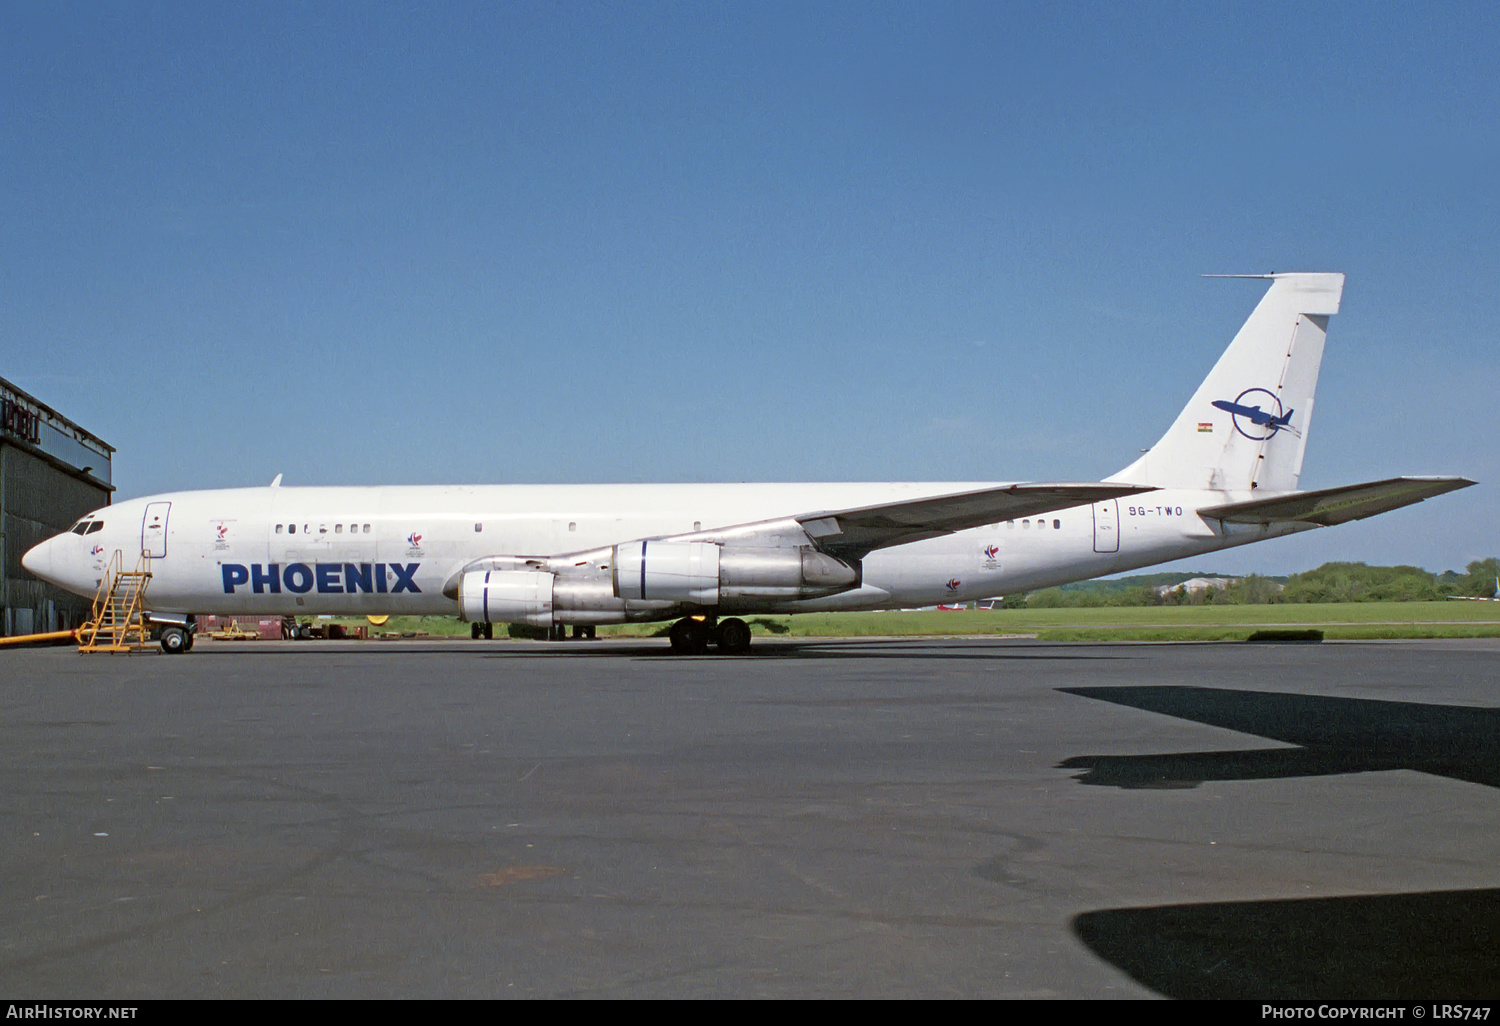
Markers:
(1329, 506)
(854, 532)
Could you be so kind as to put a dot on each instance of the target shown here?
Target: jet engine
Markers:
(729, 577)
(649, 580)
(506, 596)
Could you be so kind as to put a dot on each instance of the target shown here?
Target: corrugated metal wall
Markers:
(37, 501)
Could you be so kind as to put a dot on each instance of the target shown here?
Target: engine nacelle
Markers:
(667, 571)
(731, 577)
(750, 575)
(506, 596)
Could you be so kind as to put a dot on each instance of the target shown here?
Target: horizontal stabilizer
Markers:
(1329, 506)
(851, 533)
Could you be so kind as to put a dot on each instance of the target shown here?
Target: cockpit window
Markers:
(97, 525)
(79, 527)
(87, 526)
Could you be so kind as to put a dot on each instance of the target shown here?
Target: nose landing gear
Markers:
(176, 640)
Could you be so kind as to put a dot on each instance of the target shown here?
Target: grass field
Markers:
(1337, 621)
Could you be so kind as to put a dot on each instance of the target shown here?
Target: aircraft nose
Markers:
(38, 560)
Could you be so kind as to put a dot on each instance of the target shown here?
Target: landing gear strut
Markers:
(692, 637)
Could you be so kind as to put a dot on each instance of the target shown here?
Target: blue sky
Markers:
(368, 243)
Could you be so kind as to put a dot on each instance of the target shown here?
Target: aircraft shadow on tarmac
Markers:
(1440, 945)
(1332, 735)
(1437, 945)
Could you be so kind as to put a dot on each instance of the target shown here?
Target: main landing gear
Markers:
(692, 636)
(481, 630)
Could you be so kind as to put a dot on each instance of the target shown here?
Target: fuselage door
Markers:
(1107, 526)
(154, 529)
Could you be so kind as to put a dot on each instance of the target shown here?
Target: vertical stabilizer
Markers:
(1246, 426)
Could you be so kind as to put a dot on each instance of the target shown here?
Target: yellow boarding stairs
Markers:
(118, 622)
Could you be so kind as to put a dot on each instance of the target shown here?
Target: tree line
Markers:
(1331, 582)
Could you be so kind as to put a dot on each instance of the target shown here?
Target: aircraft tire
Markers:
(489, 632)
(733, 636)
(174, 640)
(474, 632)
(690, 637)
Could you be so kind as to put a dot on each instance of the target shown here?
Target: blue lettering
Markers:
(234, 574)
(299, 578)
(271, 576)
(357, 578)
(404, 580)
(328, 579)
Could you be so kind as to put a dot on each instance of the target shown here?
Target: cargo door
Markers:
(154, 529)
(1107, 526)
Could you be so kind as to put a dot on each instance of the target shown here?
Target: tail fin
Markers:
(1246, 426)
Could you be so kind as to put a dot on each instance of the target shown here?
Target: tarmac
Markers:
(966, 818)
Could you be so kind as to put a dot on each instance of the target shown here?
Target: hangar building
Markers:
(51, 473)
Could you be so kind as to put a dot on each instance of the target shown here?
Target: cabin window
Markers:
(478, 528)
(367, 529)
(572, 525)
(322, 528)
(278, 528)
(291, 528)
(697, 525)
(338, 528)
(1057, 525)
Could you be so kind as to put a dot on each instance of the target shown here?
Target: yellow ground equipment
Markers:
(234, 632)
(118, 622)
(38, 639)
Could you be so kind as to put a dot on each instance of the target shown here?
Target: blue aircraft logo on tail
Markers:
(1248, 409)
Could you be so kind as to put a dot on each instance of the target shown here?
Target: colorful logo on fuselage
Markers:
(991, 551)
(414, 540)
(954, 583)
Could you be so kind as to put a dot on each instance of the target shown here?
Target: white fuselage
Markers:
(394, 550)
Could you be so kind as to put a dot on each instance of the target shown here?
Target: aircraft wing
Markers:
(1329, 506)
(850, 533)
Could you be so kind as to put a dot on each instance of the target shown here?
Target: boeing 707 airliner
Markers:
(1224, 474)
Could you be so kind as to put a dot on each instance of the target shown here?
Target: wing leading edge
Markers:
(850, 533)
(1329, 506)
